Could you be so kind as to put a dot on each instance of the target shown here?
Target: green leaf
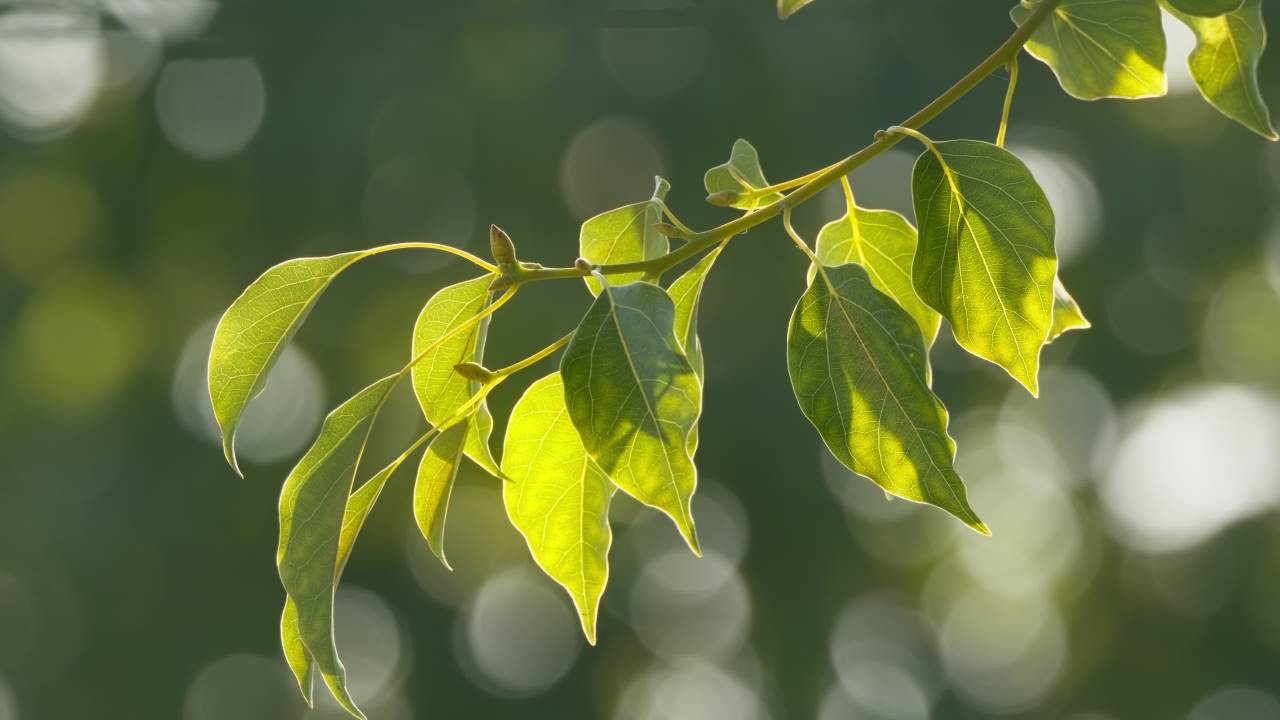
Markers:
(787, 8)
(625, 235)
(686, 293)
(1102, 48)
(1224, 64)
(986, 259)
(358, 508)
(884, 243)
(1067, 315)
(436, 474)
(741, 174)
(440, 390)
(313, 507)
(255, 329)
(635, 399)
(558, 497)
(858, 367)
(1205, 8)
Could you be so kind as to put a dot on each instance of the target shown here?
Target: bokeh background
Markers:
(156, 155)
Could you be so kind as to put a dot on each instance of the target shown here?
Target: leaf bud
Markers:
(501, 247)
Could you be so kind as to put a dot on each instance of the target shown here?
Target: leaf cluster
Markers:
(620, 411)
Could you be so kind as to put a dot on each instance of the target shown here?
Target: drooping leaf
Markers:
(358, 508)
(1224, 64)
(686, 293)
(1102, 48)
(787, 8)
(313, 507)
(625, 234)
(440, 390)
(986, 259)
(858, 367)
(255, 329)
(1205, 8)
(884, 243)
(634, 398)
(1067, 315)
(436, 474)
(558, 497)
(741, 174)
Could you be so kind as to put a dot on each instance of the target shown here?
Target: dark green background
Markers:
(132, 558)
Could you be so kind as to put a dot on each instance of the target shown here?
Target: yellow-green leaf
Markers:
(624, 235)
(858, 367)
(358, 508)
(558, 497)
(1102, 48)
(313, 506)
(741, 174)
(1067, 315)
(884, 243)
(1224, 64)
(787, 8)
(440, 390)
(436, 473)
(255, 329)
(634, 398)
(985, 259)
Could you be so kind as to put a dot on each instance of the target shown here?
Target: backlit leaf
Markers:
(1067, 315)
(986, 259)
(686, 293)
(436, 473)
(558, 497)
(858, 367)
(1102, 48)
(1224, 64)
(358, 508)
(787, 8)
(634, 398)
(624, 235)
(255, 329)
(313, 507)
(1205, 8)
(741, 174)
(884, 243)
(440, 390)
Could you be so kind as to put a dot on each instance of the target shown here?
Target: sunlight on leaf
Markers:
(741, 174)
(313, 507)
(623, 235)
(858, 366)
(1067, 315)
(1107, 49)
(787, 8)
(1224, 64)
(686, 293)
(439, 389)
(986, 259)
(634, 398)
(884, 243)
(357, 510)
(255, 329)
(558, 497)
(436, 473)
